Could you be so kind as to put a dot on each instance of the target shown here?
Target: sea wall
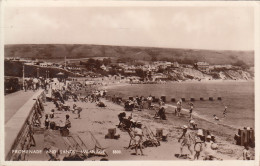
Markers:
(17, 129)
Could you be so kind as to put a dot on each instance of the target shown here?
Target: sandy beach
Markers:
(99, 120)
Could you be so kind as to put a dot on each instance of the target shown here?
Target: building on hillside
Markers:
(103, 67)
(202, 66)
(222, 66)
(29, 63)
(44, 64)
(129, 71)
(9, 58)
(49, 64)
(159, 77)
(175, 65)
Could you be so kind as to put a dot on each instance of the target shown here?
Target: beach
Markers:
(99, 120)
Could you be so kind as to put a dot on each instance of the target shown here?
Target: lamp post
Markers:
(37, 72)
(23, 76)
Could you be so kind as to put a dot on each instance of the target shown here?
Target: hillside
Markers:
(57, 51)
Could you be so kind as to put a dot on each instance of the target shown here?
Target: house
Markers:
(103, 67)
(29, 63)
(49, 64)
(159, 76)
(202, 66)
(175, 65)
(222, 66)
(44, 64)
(129, 71)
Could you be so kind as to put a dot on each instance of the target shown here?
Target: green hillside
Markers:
(58, 51)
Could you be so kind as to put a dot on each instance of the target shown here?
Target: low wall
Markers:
(17, 129)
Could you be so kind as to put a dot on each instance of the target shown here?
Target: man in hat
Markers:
(179, 107)
(149, 100)
(187, 139)
(191, 109)
(138, 137)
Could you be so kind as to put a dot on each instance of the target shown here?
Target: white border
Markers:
(63, 3)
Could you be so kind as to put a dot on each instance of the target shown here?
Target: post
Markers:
(65, 62)
(23, 76)
(37, 72)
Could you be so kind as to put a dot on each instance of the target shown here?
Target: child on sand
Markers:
(215, 117)
(192, 124)
(246, 153)
(198, 147)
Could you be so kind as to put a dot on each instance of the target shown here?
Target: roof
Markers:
(202, 63)
(60, 73)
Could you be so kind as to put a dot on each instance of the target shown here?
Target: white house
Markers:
(44, 64)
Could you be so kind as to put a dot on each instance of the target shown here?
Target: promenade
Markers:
(14, 101)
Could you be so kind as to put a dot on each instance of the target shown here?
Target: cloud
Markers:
(183, 27)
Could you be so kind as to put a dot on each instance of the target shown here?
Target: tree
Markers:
(106, 61)
(161, 70)
(93, 64)
(241, 64)
(112, 72)
(140, 73)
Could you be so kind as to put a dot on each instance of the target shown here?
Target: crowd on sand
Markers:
(200, 143)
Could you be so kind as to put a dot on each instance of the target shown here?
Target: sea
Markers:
(239, 97)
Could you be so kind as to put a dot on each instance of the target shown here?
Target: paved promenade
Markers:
(14, 101)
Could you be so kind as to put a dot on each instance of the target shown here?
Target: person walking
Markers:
(179, 106)
(225, 112)
(191, 108)
(186, 140)
(138, 138)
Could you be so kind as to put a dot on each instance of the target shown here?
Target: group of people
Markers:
(34, 83)
(199, 143)
(50, 124)
(134, 129)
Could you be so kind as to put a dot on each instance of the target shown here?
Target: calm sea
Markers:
(237, 96)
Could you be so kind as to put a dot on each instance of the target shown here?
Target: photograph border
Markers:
(76, 3)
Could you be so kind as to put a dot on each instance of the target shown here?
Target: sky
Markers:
(217, 28)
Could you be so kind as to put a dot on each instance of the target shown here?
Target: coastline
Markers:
(92, 119)
(200, 111)
(110, 85)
